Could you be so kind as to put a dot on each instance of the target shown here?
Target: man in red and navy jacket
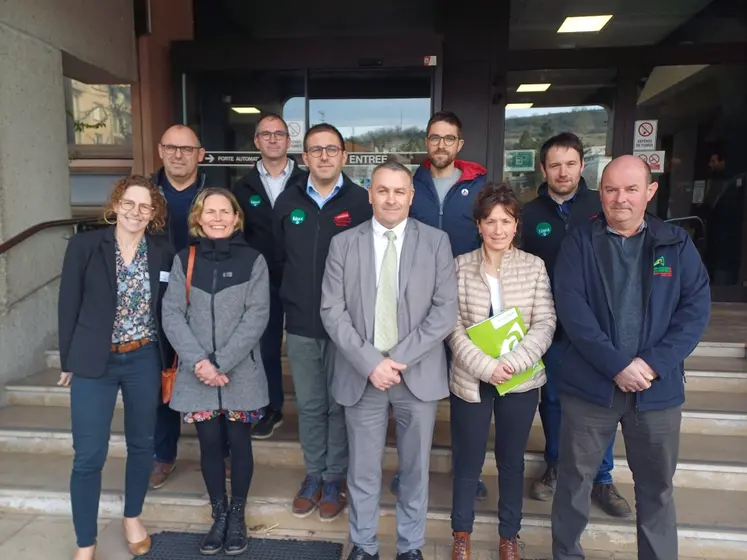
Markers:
(446, 187)
(445, 192)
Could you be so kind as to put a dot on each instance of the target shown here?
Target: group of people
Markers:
(375, 291)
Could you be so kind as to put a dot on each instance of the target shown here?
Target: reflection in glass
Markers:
(527, 129)
(99, 113)
(375, 130)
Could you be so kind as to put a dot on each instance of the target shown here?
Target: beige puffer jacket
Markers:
(524, 284)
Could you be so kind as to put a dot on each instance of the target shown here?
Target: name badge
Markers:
(164, 276)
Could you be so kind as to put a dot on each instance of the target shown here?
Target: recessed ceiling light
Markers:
(510, 106)
(528, 88)
(584, 24)
(246, 110)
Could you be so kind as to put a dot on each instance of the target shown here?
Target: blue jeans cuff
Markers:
(603, 478)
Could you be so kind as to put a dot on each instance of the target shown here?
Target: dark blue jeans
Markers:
(270, 346)
(167, 432)
(92, 402)
(549, 410)
(470, 422)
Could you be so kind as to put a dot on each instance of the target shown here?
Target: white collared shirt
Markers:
(381, 242)
(274, 185)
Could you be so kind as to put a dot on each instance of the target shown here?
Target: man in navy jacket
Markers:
(445, 192)
(563, 202)
(633, 297)
(446, 187)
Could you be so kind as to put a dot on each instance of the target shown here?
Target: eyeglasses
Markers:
(277, 134)
(170, 149)
(435, 139)
(144, 209)
(316, 151)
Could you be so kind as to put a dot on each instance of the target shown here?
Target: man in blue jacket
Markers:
(633, 297)
(445, 192)
(563, 202)
(446, 187)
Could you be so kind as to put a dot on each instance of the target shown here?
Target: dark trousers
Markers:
(92, 403)
(549, 409)
(168, 430)
(471, 427)
(213, 436)
(652, 441)
(270, 346)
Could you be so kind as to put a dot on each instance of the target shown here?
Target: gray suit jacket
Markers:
(427, 310)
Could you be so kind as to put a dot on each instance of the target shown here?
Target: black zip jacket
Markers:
(303, 233)
(253, 199)
(544, 226)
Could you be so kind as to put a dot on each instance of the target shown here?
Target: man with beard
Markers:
(563, 202)
(445, 192)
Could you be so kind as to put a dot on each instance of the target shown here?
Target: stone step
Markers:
(709, 413)
(712, 523)
(706, 461)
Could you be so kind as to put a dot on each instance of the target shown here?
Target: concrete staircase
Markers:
(711, 481)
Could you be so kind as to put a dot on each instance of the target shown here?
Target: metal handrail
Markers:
(28, 232)
(685, 218)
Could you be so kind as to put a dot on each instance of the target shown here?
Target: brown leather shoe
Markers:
(610, 500)
(307, 499)
(460, 548)
(334, 500)
(160, 474)
(508, 550)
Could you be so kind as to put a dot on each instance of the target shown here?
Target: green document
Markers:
(497, 336)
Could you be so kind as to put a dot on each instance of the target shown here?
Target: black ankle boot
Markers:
(236, 541)
(213, 542)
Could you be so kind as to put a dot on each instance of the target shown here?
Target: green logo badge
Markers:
(661, 268)
(544, 229)
(297, 217)
(255, 199)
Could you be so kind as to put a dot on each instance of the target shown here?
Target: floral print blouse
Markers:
(133, 319)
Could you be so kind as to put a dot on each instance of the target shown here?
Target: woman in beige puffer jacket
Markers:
(490, 279)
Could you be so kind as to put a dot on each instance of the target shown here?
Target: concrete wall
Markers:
(96, 36)
(39, 42)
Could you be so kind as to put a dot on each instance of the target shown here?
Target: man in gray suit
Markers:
(389, 298)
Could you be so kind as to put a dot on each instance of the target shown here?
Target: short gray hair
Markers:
(392, 165)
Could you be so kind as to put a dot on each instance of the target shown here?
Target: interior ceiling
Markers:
(534, 23)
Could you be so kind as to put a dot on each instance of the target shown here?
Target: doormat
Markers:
(170, 545)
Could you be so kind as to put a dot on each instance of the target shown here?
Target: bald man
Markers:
(179, 181)
(633, 297)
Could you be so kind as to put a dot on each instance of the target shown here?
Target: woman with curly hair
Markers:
(110, 337)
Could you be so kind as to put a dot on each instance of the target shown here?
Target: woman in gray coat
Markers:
(216, 336)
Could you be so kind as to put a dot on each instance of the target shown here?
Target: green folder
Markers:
(497, 336)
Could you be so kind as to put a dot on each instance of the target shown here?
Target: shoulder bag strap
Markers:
(190, 268)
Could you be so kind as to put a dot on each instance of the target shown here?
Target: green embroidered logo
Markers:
(255, 200)
(661, 268)
(297, 217)
(544, 229)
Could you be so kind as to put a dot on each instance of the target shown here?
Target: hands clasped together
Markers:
(636, 377)
(387, 374)
(206, 372)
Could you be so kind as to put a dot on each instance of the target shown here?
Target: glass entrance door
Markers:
(381, 114)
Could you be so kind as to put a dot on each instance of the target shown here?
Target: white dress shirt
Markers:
(495, 294)
(274, 185)
(381, 242)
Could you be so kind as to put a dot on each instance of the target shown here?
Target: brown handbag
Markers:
(169, 375)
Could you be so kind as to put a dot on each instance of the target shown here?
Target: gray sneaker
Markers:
(544, 488)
